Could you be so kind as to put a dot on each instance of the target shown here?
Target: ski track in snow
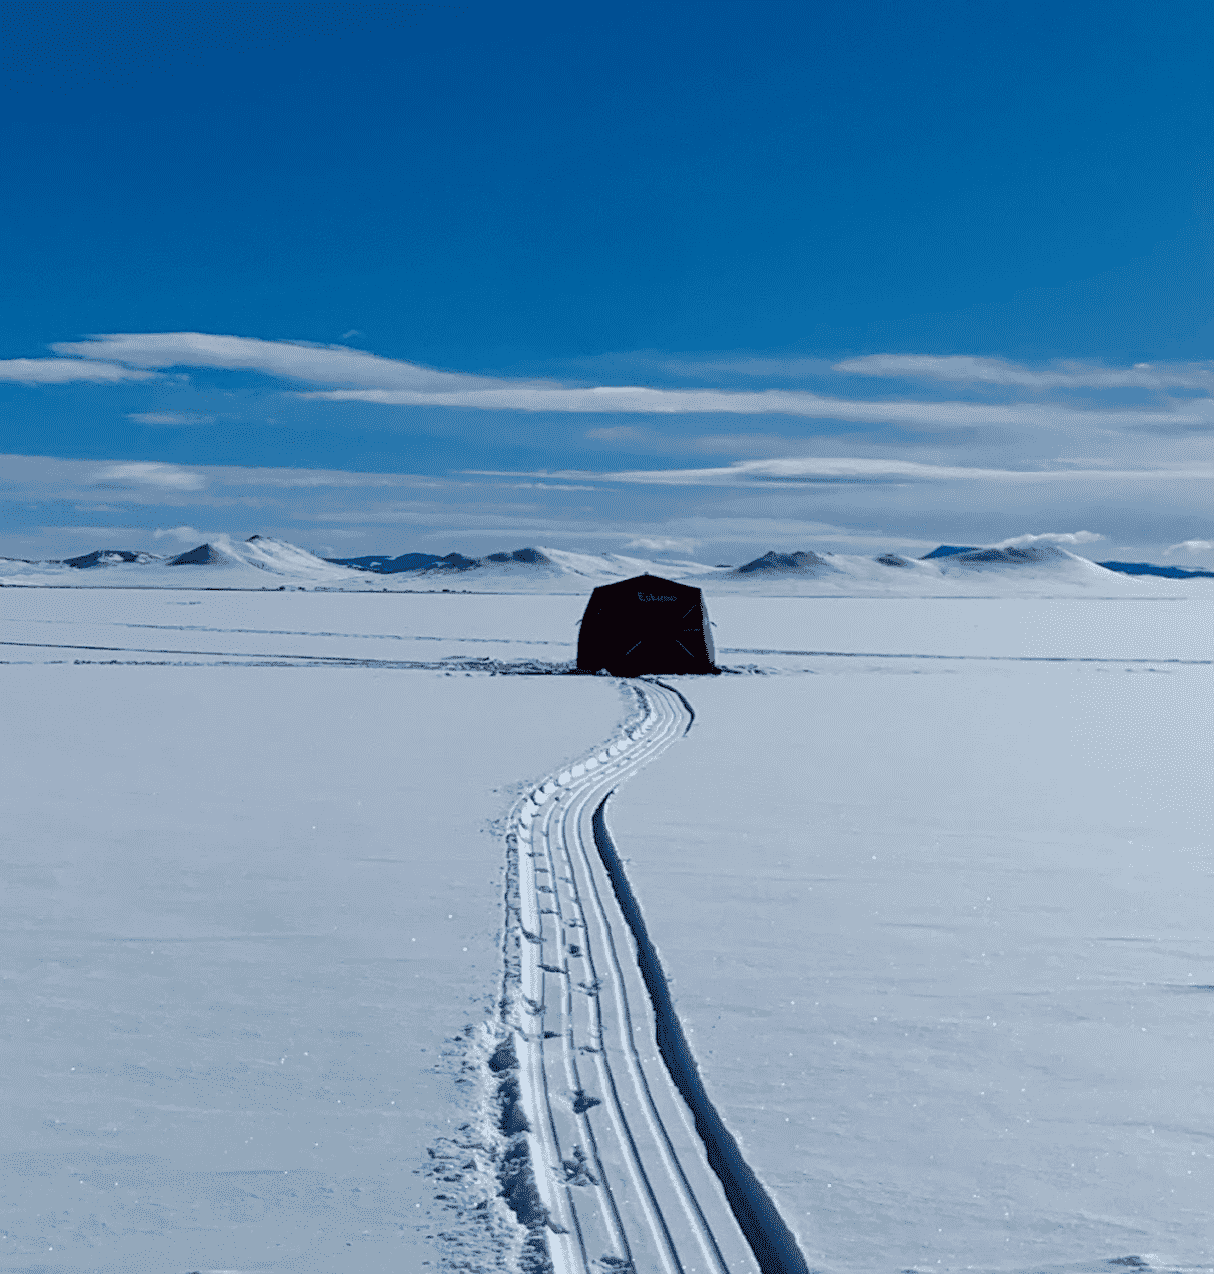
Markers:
(1006, 659)
(471, 663)
(524, 667)
(621, 1174)
(300, 632)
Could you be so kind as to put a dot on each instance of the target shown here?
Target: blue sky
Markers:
(698, 279)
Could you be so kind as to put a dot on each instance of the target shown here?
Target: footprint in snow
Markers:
(577, 1169)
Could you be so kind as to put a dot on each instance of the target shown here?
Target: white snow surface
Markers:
(245, 910)
(932, 880)
(939, 935)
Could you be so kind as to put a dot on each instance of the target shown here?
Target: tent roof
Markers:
(631, 585)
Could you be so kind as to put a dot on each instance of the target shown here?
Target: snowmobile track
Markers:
(622, 1174)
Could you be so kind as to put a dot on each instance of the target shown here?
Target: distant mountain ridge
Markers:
(382, 564)
(1011, 555)
(262, 562)
(1164, 572)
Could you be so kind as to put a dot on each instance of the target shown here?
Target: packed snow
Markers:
(929, 871)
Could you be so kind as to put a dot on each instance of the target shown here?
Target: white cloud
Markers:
(169, 418)
(1190, 546)
(239, 475)
(360, 377)
(960, 368)
(847, 469)
(807, 468)
(60, 371)
(782, 402)
(548, 486)
(148, 473)
(869, 505)
(291, 360)
(662, 544)
(1050, 537)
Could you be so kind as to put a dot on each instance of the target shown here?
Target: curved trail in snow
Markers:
(622, 1179)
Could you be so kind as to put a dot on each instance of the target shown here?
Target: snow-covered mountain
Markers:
(778, 565)
(259, 562)
(520, 570)
(1024, 570)
(262, 562)
(110, 557)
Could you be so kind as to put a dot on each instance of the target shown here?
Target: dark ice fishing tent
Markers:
(646, 624)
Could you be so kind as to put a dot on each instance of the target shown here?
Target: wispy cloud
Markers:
(549, 486)
(967, 368)
(126, 479)
(308, 478)
(149, 473)
(625, 400)
(662, 544)
(351, 375)
(182, 534)
(843, 503)
(1050, 537)
(288, 360)
(807, 469)
(169, 418)
(61, 371)
(952, 368)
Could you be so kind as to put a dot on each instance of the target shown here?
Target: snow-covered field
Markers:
(243, 909)
(932, 882)
(941, 940)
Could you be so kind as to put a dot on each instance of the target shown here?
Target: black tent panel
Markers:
(646, 625)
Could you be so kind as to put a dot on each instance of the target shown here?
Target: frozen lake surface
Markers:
(932, 883)
(941, 943)
(244, 908)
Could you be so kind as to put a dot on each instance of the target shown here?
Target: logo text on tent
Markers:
(653, 597)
